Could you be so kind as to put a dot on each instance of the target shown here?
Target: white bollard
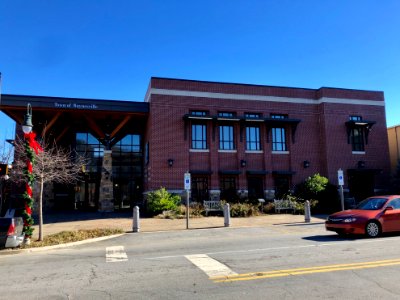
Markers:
(227, 215)
(307, 212)
(136, 219)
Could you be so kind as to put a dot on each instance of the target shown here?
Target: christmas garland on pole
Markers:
(32, 148)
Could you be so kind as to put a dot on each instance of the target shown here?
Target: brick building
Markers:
(394, 147)
(259, 141)
(236, 140)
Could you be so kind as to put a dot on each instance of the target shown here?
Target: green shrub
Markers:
(161, 200)
(318, 188)
(316, 183)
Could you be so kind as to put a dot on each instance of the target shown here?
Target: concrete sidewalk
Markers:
(54, 223)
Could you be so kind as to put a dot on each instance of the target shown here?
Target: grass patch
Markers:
(72, 236)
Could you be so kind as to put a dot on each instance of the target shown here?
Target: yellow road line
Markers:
(302, 271)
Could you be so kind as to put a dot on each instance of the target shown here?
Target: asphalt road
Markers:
(282, 262)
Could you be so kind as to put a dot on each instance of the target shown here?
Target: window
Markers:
(147, 153)
(255, 187)
(357, 136)
(252, 116)
(253, 138)
(228, 188)
(90, 148)
(199, 130)
(199, 136)
(198, 113)
(395, 203)
(127, 170)
(199, 188)
(282, 186)
(279, 135)
(127, 157)
(226, 141)
(226, 114)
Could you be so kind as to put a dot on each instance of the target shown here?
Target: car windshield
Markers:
(371, 203)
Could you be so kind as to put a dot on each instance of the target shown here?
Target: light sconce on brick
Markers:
(170, 162)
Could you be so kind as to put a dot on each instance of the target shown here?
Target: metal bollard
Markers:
(227, 215)
(307, 212)
(136, 219)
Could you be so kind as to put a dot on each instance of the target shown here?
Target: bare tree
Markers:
(6, 153)
(6, 157)
(53, 164)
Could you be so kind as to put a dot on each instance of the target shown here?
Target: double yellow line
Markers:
(303, 271)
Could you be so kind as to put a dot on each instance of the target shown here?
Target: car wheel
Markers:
(373, 229)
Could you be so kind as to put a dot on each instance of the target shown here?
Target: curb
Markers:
(38, 249)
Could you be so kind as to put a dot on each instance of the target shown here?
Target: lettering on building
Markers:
(75, 105)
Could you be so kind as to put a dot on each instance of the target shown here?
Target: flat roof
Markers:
(62, 103)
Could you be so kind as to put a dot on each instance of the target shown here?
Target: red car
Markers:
(371, 217)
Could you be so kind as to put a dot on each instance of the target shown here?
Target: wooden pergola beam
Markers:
(96, 129)
(62, 133)
(51, 123)
(120, 125)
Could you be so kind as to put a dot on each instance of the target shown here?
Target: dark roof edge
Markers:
(262, 85)
(67, 98)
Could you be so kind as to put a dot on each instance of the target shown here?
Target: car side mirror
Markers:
(389, 208)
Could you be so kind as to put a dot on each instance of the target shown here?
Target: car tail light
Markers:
(11, 229)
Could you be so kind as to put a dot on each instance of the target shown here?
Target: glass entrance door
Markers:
(87, 192)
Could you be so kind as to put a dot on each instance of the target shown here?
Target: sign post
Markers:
(341, 183)
(187, 182)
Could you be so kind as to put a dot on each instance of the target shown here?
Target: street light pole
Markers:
(30, 156)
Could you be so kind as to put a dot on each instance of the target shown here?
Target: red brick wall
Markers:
(321, 136)
(250, 89)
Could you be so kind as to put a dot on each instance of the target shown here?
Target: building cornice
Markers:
(244, 97)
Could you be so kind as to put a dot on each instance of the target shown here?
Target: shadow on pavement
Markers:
(329, 238)
(299, 224)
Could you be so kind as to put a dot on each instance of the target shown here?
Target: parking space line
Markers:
(116, 254)
(209, 265)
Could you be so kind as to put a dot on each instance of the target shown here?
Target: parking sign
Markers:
(340, 177)
(187, 181)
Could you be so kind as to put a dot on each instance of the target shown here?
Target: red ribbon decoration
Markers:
(29, 190)
(29, 166)
(28, 209)
(31, 138)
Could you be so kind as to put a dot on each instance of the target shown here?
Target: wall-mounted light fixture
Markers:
(361, 164)
(170, 162)
(306, 164)
(243, 163)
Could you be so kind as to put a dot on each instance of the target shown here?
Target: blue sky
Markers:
(109, 49)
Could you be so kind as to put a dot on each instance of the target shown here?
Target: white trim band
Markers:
(260, 97)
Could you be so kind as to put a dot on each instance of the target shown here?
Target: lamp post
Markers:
(27, 125)
(31, 148)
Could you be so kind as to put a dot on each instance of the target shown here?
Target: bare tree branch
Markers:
(53, 164)
(6, 153)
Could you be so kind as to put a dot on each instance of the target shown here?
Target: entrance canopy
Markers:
(60, 118)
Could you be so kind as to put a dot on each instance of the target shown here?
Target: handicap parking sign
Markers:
(340, 177)
(187, 181)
